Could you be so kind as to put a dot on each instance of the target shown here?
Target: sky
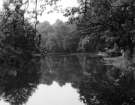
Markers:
(52, 17)
(1, 2)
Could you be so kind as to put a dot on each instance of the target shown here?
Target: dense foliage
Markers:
(18, 35)
(59, 37)
(106, 23)
(97, 25)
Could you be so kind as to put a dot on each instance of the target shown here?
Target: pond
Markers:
(82, 79)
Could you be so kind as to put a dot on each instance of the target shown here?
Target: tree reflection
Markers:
(117, 88)
(97, 84)
(17, 83)
(61, 69)
(69, 68)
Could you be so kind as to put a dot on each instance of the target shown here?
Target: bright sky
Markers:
(52, 17)
(1, 2)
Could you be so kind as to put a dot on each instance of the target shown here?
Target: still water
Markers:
(66, 80)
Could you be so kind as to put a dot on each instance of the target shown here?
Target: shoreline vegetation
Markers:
(117, 61)
(90, 32)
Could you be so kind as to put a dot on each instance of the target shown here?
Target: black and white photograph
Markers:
(67, 52)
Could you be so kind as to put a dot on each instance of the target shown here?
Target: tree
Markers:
(106, 21)
(59, 37)
(91, 15)
(18, 32)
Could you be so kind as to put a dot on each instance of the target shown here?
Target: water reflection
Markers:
(67, 80)
(18, 83)
(61, 69)
(97, 84)
(55, 95)
(116, 90)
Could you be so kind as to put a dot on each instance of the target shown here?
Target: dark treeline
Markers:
(106, 23)
(97, 26)
(17, 33)
(18, 38)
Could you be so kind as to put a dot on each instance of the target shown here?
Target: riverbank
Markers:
(119, 62)
(78, 53)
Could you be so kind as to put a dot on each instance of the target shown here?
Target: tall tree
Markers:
(110, 21)
(19, 33)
